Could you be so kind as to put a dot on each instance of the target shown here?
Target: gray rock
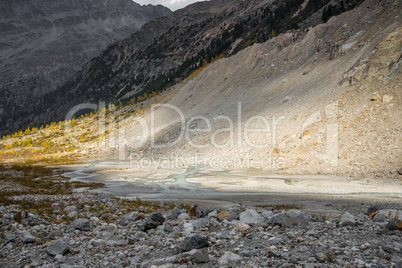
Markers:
(203, 212)
(194, 242)
(153, 221)
(295, 218)
(127, 218)
(348, 219)
(60, 258)
(176, 212)
(213, 214)
(183, 217)
(72, 214)
(137, 237)
(267, 214)
(200, 223)
(387, 213)
(250, 217)
(394, 224)
(276, 219)
(321, 257)
(81, 224)
(197, 255)
(374, 208)
(188, 227)
(96, 242)
(58, 247)
(26, 237)
(229, 258)
(71, 209)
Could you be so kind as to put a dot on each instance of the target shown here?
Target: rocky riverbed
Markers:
(96, 230)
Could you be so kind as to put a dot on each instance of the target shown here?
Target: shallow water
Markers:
(227, 187)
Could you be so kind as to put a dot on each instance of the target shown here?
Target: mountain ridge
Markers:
(45, 42)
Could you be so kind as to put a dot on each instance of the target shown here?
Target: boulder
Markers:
(183, 217)
(348, 219)
(386, 214)
(290, 218)
(81, 224)
(374, 208)
(228, 215)
(71, 209)
(250, 217)
(194, 242)
(394, 224)
(137, 237)
(176, 212)
(229, 258)
(127, 218)
(197, 255)
(58, 247)
(153, 221)
(26, 237)
(295, 217)
(243, 227)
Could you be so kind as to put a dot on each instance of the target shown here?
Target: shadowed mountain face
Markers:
(167, 50)
(44, 42)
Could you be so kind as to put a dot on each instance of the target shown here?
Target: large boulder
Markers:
(194, 242)
(153, 221)
(250, 217)
(58, 247)
(81, 224)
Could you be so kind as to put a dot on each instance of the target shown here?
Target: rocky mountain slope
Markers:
(169, 49)
(324, 100)
(321, 100)
(43, 43)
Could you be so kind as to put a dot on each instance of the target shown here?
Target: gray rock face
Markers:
(194, 242)
(81, 224)
(250, 217)
(26, 237)
(153, 221)
(45, 42)
(58, 247)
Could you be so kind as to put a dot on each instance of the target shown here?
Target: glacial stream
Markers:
(229, 187)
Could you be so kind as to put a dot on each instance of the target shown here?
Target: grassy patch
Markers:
(21, 179)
